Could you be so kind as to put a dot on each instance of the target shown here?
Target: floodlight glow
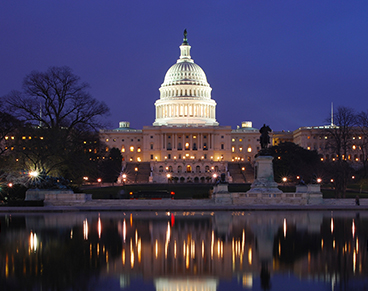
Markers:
(33, 174)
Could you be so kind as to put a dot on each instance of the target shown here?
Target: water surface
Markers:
(184, 251)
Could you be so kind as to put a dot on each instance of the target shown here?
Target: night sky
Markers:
(268, 61)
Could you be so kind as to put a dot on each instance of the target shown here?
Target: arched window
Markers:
(198, 169)
(179, 169)
(189, 168)
(179, 146)
(161, 169)
(169, 148)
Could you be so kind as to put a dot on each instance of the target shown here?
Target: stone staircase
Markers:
(239, 175)
(137, 173)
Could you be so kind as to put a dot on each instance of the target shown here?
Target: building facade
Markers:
(185, 142)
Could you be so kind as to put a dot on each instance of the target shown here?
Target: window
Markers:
(138, 149)
(222, 146)
(169, 156)
(187, 145)
(222, 136)
(151, 157)
(233, 139)
(232, 149)
(169, 146)
(179, 147)
(151, 146)
(194, 146)
(131, 148)
(204, 146)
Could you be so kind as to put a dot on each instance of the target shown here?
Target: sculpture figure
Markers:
(265, 138)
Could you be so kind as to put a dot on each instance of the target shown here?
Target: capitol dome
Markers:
(185, 95)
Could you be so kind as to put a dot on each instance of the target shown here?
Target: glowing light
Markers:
(85, 229)
(249, 150)
(10, 185)
(124, 230)
(353, 228)
(123, 257)
(33, 242)
(99, 180)
(319, 180)
(99, 227)
(285, 227)
(332, 225)
(85, 178)
(136, 169)
(156, 248)
(284, 179)
(168, 176)
(33, 174)
(250, 256)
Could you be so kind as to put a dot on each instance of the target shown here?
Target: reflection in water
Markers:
(183, 251)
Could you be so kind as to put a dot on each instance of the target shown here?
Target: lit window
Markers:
(138, 150)
(6, 137)
(360, 137)
(249, 149)
(30, 137)
(240, 139)
(114, 140)
(123, 149)
(240, 149)
(308, 148)
(325, 137)
(232, 149)
(194, 136)
(107, 149)
(132, 148)
(41, 137)
(107, 140)
(23, 137)
(308, 137)
(12, 137)
(354, 147)
(233, 139)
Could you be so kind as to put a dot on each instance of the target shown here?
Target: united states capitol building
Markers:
(185, 142)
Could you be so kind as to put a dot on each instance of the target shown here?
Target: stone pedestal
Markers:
(264, 179)
(221, 194)
(314, 194)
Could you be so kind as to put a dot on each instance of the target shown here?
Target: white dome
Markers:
(185, 95)
(185, 73)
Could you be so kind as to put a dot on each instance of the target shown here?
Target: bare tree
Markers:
(56, 99)
(362, 125)
(340, 141)
(57, 110)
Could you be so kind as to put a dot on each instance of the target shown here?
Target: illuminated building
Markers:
(185, 142)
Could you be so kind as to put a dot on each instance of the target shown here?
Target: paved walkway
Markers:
(186, 205)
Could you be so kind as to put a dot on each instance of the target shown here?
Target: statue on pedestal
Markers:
(264, 139)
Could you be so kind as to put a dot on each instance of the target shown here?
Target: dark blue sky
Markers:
(276, 62)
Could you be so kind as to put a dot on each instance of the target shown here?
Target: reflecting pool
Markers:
(184, 251)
